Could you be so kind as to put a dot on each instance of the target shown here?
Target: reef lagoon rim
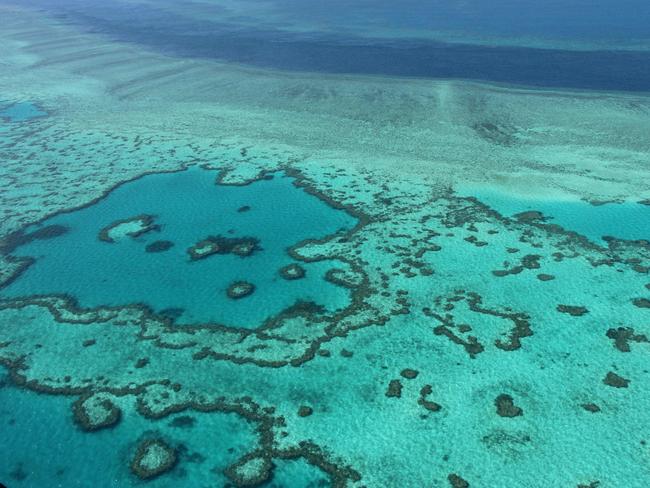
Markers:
(97, 264)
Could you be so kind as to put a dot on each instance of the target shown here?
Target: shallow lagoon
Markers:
(188, 207)
(627, 220)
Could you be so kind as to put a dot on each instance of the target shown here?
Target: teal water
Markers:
(47, 449)
(188, 206)
(455, 311)
(20, 111)
(294, 472)
(628, 220)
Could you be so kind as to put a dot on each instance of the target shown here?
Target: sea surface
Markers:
(290, 243)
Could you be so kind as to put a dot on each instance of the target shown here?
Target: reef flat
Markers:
(446, 332)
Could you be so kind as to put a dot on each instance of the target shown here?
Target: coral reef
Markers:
(292, 272)
(240, 289)
(153, 457)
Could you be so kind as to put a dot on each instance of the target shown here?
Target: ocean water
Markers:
(188, 207)
(376, 311)
(49, 450)
(167, 28)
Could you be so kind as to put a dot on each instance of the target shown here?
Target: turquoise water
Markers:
(628, 220)
(47, 449)
(188, 206)
(451, 347)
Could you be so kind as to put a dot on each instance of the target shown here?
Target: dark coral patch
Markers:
(521, 325)
(240, 289)
(641, 302)
(241, 246)
(616, 381)
(456, 481)
(591, 407)
(409, 373)
(531, 261)
(305, 411)
(622, 337)
(545, 277)
(573, 310)
(141, 363)
(172, 313)
(183, 422)
(159, 246)
(506, 406)
(530, 216)
(501, 134)
(305, 308)
(16, 239)
(18, 473)
(500, 273)
(394, 389)
(471, 345)
(49, 232)
(427, 404)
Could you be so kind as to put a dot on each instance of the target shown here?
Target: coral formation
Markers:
(292, 272)
(241, 246)
(131, 227)
(240, 289)
(153, 457)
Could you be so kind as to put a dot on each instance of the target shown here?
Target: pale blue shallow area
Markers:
(20, 111)
(189, 206)
(628, 220)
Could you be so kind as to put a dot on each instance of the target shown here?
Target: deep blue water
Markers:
(189, 207)
(341, 51)
(556, 19)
